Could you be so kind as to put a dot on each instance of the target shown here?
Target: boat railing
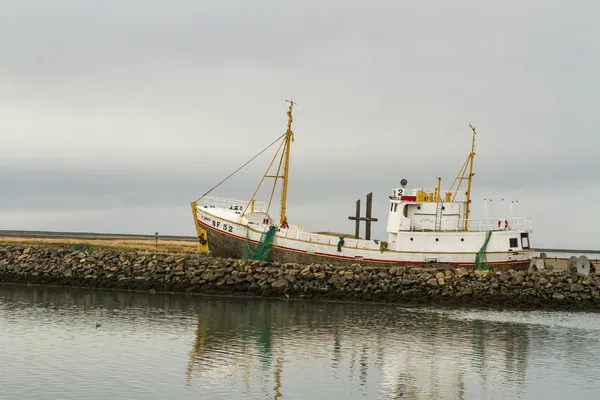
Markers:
(232, 204)
(475, 225)
(318, 238)
(506, 224)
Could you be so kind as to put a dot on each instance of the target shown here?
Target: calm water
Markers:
(184, 347)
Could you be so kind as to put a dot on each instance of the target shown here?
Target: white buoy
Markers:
(583, 265)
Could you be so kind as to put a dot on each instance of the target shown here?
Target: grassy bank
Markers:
(116, 243)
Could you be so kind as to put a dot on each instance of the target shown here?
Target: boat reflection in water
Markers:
(380, 351)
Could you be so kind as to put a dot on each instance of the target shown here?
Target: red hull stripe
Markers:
(334, 255)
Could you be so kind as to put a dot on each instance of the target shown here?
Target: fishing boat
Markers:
(423, 227)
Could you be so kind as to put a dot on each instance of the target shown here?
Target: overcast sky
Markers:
(116, 114)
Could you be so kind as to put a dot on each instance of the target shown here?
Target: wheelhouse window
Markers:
(514, 242)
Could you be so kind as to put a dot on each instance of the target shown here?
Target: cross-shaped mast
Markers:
(368, 219)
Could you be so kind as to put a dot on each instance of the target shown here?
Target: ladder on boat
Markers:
(438, 215)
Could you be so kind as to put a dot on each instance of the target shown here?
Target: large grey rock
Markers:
(280, 283)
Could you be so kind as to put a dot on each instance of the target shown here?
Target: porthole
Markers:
(462, 239)
(437, 239)
(411, 239)
(443, 207)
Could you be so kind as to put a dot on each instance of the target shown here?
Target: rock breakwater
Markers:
(192, 273)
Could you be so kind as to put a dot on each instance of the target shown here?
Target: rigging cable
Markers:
(247, 162)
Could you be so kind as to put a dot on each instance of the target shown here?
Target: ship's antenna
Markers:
(514, 209)
(486, 208)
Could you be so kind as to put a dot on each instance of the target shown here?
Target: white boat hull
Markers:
(226, 237)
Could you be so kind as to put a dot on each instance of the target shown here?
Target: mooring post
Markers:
(368, 219)
(368, 215)
(357, 224)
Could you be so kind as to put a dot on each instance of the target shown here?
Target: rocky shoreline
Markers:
(126, 269)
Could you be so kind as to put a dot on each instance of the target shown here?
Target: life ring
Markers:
(499, 224)
(506, 224)
(265, 221)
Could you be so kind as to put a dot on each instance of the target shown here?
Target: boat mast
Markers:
(284, 147)
(471, 157)
(289, 138)
(462, 175)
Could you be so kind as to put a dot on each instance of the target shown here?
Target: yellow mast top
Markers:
(284, 147)
(462, 174)
(289, 138)
(471, 157)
